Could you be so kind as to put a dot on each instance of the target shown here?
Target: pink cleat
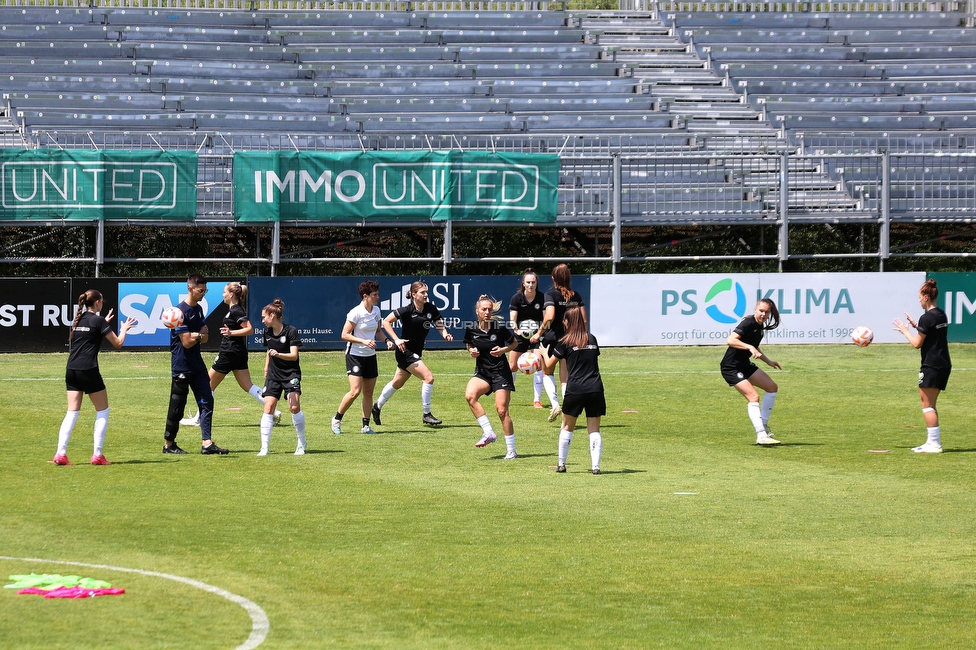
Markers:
(61, 459)
(486, 440)
(100, 460)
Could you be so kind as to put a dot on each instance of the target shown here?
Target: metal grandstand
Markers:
(683, 114)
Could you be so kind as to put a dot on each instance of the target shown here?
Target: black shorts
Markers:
(498, 381)
(733, 376)
(227, 362)
(275, 388)
(86, 381)
(548, 341)
(524, 345)
(406, 359)
(364, 367)
(933, 377)
(595, 404)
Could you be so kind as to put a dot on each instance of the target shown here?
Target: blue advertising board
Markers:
(146, 300)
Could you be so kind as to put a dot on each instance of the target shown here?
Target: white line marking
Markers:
(259, 620)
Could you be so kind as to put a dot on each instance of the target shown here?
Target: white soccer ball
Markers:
(528, 328)
(529, 363)
(172, 317)
(862, 335)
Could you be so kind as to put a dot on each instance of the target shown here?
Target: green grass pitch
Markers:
(692, 537)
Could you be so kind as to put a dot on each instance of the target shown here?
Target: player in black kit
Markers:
(416, 320)
(741, 373)
(488, 341)
(931, 336)
(528, 304)
(584, 386)
(282, 374)
(558, 299)
(82, 376)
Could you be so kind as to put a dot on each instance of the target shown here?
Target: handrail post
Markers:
(99, 246)
(448, 244)
(275, 247)
(617, 206)
(884, 245)
(784, 209)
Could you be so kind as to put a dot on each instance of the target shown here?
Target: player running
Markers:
(282, 375)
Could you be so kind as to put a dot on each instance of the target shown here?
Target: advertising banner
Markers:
(395, 185)
(318, 306)
(145, 300)
(686, 309)
(43, 184)
(35, 314)
(957, 297)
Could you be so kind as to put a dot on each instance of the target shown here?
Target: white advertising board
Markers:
(703, 309)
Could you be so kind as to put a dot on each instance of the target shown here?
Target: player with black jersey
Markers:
(932, 330)
(584, 386)
(416, 318)
(488, 341)
(82, 376)
(282, 374)
(741, 373)
(557, 300)
(528, 304)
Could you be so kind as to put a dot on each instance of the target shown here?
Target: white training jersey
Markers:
(365, 323)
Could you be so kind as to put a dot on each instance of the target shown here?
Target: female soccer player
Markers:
(584, 387)
(931, 332)
(527, 304)
(416, 320)
(82, 376)
(743, 375)
(359, 333)
(232, 356)
(282, 374)
(558, 299)
(488, 342)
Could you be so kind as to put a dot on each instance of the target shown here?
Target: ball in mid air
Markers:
(862, 335)
(172, 317)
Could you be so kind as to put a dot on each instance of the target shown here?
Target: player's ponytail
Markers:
(276, 309)
(930, 290)
(562, 279)
(773, 321)
(86, 302)
(414, 288)
(239, 291)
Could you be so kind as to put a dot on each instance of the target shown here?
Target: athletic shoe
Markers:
(263, 452)
(276, 418)
(927, 448)
(336, 426)
(193, 421)
(486, 440)
(61, 459)
(766, 441)
(173, 449)
(431, 420)
(561, 469)
(537, 404)
(367, 429)
(596, 471)
(510, 455)
(300, 451)
(554, 413)
(376, 415)
(100, 460)
(213, 449)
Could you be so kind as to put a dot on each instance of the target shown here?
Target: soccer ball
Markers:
(529, 363)
(528, 328)
(172, 317)
(862, 335)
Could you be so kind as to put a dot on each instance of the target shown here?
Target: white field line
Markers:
(259, 620)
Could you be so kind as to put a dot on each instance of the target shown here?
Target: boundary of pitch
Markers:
(260, 625)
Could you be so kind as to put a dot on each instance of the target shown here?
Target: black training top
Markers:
(935, 348)
(235, 319)
(497, 336)
(87, 340)
(416, 324)
(187, 359)
(527, 310)
(555, 298)
(279, 369)
(750, 332)
(583, 365)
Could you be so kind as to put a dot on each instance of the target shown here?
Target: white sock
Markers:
(101, 425)
(515, 374)
(510, 444)
(385, 395)
(562, 390)
(255, 392)
(298, 420)
(565, 437)
(485, 425)
(537, 386)
(549, 383)
(267, 424)
(67, 426)
(426, 391)
(755, 415)
(596, 448)
(933, 436)
(767, 405)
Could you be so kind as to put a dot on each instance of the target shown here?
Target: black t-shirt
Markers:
(279, 369)
(935, 348)
(416, 325)
(86, 341)
(497, 336)
(234, 319)
(583, 365)
(750, 332)
(187, 359)
(526, 309)
(555, 298)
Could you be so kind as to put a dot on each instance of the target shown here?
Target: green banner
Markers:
(957, 297)
(383, 186)
(43, 184)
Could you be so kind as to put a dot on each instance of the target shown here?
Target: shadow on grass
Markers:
(502, 456)
(958, 451)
